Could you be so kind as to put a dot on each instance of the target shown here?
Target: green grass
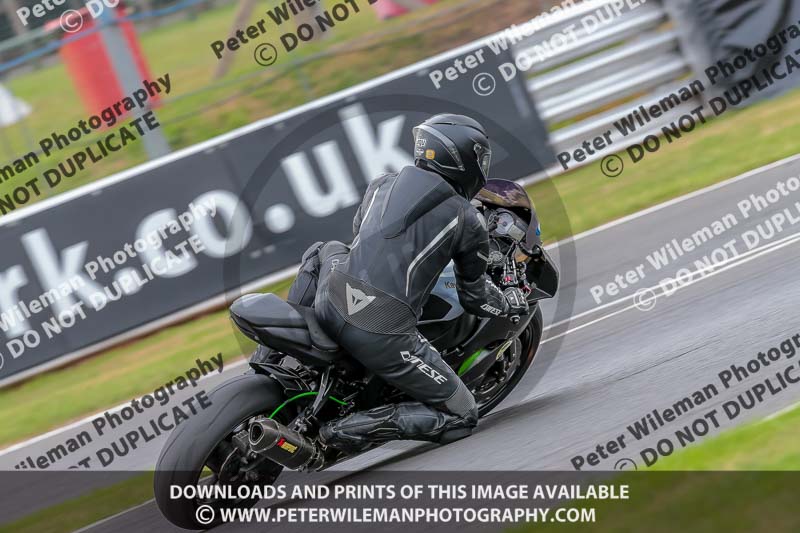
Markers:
(693, 502)
(725, 148)
(763, 446)
(87, 509)
(114, 377)
(182, 50)
(199, 107)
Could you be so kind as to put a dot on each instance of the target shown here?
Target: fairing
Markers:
(511, 196)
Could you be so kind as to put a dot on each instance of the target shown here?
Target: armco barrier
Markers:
(277, 186)
(601, 60)
(619, 56)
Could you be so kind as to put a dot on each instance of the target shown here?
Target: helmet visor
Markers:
(484, 156)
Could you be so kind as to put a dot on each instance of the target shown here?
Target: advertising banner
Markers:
(194, 225)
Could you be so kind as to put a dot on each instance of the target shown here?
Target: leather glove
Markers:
(517, 303)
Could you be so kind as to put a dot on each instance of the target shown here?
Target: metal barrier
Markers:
(605, 72)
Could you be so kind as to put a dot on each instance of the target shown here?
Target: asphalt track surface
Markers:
(614, 362)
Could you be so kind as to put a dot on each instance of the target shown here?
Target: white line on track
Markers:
(705, 273)
(114, 516)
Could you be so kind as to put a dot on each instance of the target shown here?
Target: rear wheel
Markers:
(507, 372)
(203, 452)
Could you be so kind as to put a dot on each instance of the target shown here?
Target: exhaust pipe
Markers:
(281, 445)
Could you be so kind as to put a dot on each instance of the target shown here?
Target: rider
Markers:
(409, 226)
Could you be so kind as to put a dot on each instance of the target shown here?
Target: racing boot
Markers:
(405, 421)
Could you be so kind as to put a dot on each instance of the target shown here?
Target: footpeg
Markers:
(284, 446)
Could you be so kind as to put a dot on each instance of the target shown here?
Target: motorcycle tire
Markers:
(532, 336)
(189, 446)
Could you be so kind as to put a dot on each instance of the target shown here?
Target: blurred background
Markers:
(53, 78)
(50, 77)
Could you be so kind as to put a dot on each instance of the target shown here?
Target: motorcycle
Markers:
(268, 419)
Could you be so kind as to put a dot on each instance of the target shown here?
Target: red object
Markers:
(387, 9)
(89, 64)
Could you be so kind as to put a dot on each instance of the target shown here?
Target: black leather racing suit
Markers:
(409, 226)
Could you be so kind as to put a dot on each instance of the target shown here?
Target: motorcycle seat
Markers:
(264, 310)
(269, 311)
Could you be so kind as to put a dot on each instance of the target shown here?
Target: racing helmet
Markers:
(457, 148)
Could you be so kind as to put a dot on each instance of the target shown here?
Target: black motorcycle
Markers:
(268, 419)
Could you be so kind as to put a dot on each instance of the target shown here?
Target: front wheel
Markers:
(201, 451)
(507, 372)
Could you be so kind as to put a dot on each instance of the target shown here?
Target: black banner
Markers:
(128, 251)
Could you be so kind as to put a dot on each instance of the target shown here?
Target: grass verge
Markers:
(766, 445)
(726, 147)
(118, 375)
